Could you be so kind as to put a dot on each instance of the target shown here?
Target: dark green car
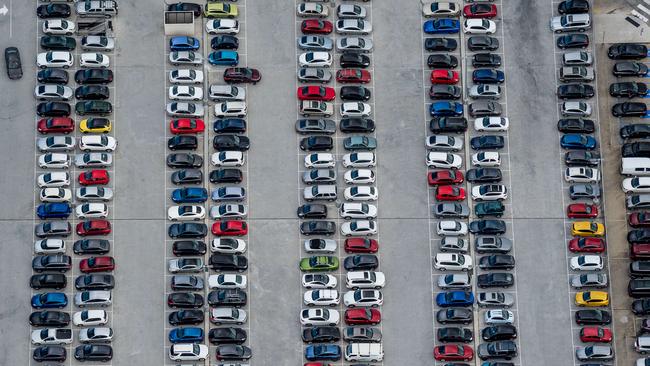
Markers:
(99, 107)
(492, 208)
(58, 43)
(360, 143)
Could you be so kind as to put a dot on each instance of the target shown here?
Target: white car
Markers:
(227, 315)
(363, 298)
(320, 246)
(56, 143)
(359, 228)
(444, 143)
(94, 60)
(486, 159)
(440, 9)
(577, 58)
(354, 44)
(355, 109)
(359, 176)
(184, 109)
(361, 193)
(227, 92)
(570, 23)
(319, 317)
(59, 27)
(485, 91)
(186, 213)
(581, 174)
(93, 298)
(185, 265)
(316, 108)
(365, 279)
(228, 211)
(230, 109)
(91, 210)
(636, 185)
(586, 263)
(489, 192)
(576, 109)
(479, 26)
(98, 43)
(359, 160)
(451, 228)
(453, 262)
(444, 160)
(188, 352)
(53, 92)
(96, 335)
(54, 161)
(228, 245)
(53, 180)
(88, 318)
(353, 26)
(318, 280)
(222, 26)
(58, 59)
(498, 316)
(315, 59)
(321, 297)
(85, 194)
(491, 124)
(454, 281)
(93, 160)
(227, 159)
(55, 195)
(97, 143)
(351, 11)
(308, 10)
(49, 336)
(49, 246)
(227, 281)
(320, 160)
(185, 58)
(185, 92)
(353, 210)
(186, 76)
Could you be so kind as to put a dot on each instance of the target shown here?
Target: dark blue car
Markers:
(577, 141)
(441, 26)
(186, 335)
(323, 352)
(184, 43)
(487, 142)
(190, 195)
(454, 298)
(227, 58)
(446, 109)
(49, 300)
(488, 76)
(57, 210)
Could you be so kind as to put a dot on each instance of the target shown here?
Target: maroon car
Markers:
(241, 75)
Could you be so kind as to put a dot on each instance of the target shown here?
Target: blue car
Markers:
(578, 142)
(488, 76)
(454, 298)
(323, 352)
(190, 195)
(226, 58)
(446, 109)
(184, 43)
(441, 26)
(186, 335)
(56, 210)
(49, 300)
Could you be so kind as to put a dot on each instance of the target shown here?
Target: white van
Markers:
(635, 166)
(369, 352)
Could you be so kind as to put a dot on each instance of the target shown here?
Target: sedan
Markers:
(482, 43)
(629, 68)
(355, 44)
(315, 59)
(316, 93)
(93, 160)
(627, 51)
(572, 41)
(441, 44)
(586, 263)
(628, 90)
(453, 352)
(488, 76)
(440, 9)
(479, 26)
(578, 142)
(54, 59)
(316, 26)
(629, 109)
(441, 26)
(353, 26)
(230, 228)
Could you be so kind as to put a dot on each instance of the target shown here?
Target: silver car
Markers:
(226, 92)
(311, 75)
(320, 246)
(186, 76)
(186, 265)
(454, 281)
(444, 143)
(228, 211)
(96, 335)
(56, 143)
(358, 44)
(351, 11)
(576, 109)
(306, 126)
(93, 298)
(227, 315)
(495, 299)
(576, 73)
(315, 43)
(596, 280)
(577, 58)
(451, 209)
(85, 194)
(594, 352)
(184, 109)
(99, 43)
(485, 91)
(319, 176)
(53, 92)
(499, 316)
(453, 244)
(570, 22)
(93, 160)
(185, 58)
(492, 244)
(54, 161)
(353, 26)
(229, 193)
(485, 108)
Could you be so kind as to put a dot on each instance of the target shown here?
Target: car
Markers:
(453, 352)
(353, 26)
(454, 316)
(85, 194)
(227, 315)
(93, 59)
(442, 91)
(627, 51)
(346, 11)
(186, 335)
(93, 298)
(55, 210)
(441, 76)
(573, 7)
(315, 43)
(581, 158)
(319, 263)
(223, 57)
(497, 261)
(325, 334)
(575, 91)
(98, 43)
(629, 109)
(641, 306)
(479, 26)
(639, 236)
(189, 195)
(359, 228)
(187, 176)
(495, 299)
(594, 352)
(361, 193)
(452, 262)
(230, 228)
(498, 279)
(359, 143)
(228, 211)
(362, 316)
(97, 264)
(49, 300)
(441, 44)
(577, 191)
(53, 10)
(310, 281)
(321, 297)
(49, 353)
(93, 92)
(498, 349)
(95, 282)
(98, 107)
(629, 68)
(450, 193)
(572, 41)
(454, 334)
(353, 76)
(319, 317)
(488, 76)
(306, 10)
(595, 334)
(221, 10)
(443, 160)
(227, 281)
(225, 142)
(52, 229)
(188, 352)
(487, 227)
(582, 175)
(94, 124)
(52, 76)
(446, 108)
(186, 317)
(229, 125)
(320, 75)
(90, 318)
(582, 210)
(439, 125)
(228, 245)
(635, 131)
(498, 316)
(184, 300)
(53, 180)
(53, 109)
(224, 42)
(93, 227)
(242, 75)
(53, 92)
(361, 245)
(485, 91)
(354, 60)
(444, 143)
(451, 209)
(354, 93)
(454, 281)
(592, 317)
(55, 281)
(230, 109)
(91, 210)
(454, 299)
(486, 60)
(586, 263)
(482, 43)
(576, 73)
(233, 352)
(359, 160)
(440, 9)
(479, 10)
(227, 297)
(315, 125)
(315, 59)
(577, 142)
(317, 143)
(185, 58)
(182, 6)
(94, 76)
(316, 93)
(316, 108)
(570, 22)
(58, 43)
(64, 125)
(186, 76)
(361, 262)
(489, 192)
(102, 142)
(576, 125)
(444, 177)
(636, 185)
(441, 26)
(587, 245)
(94, 177)
(596, 280)
(227, 335)
(187, 230)
(188, 247)
(587, 228)
(492, 244)
(639, 219)
(628, 90)
(228, 262)
(49, 318)
(51, 336)
(484, 175)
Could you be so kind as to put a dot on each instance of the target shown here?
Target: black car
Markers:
(354, 60)
(94, 76)
(229, 125)
(227, 335)
(454, 316)
(573, 41)
(573, 7)
(487, 142)
(224, 42)
(55, 281)
(187, 230)
(49, 318)
(233, 352)
(627, 51)
(357, 93)
(576, 125)
(442, 61)
(321, 334)
(581, 158)
(498, 349)
(228, 262)
(189, 247)
(482, 43)
(52, 76)
(93, 352)
(95, 282)
(186, 317)
(51, 10)
(57, 263)
(487, 227)
(194, 8)
(629, 68)
(440, 44)
(492, 208)
(641, 236)
(312, 211)
(575, 91)
(497, 261)
(454, 334)
(58, 43)
(91, 246)
(227, 297)
(635, 131)
(497, 279)
(92, 92)
(49, 353)
(628, 90)
(500, 332)
(185, 300)
(184, 160)
(483, 175)
(636, 150)
(639, 269)
(629, 109)
(593, 317)
(13, 63)
(226, 175)
(318, 228)
(448, 124)
(446, 92)
(317, 143)
(187, 176)
(486, 60)
(99, 107)
(231, 142)
(356, 125)
(361, 262)
(182, 142)
(641, 306)
(53, 109)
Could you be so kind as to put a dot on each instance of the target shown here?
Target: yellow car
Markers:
(220, 10)
(592, 298)
(95, 125)
(586, 228)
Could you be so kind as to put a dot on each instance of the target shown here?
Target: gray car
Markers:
(597, 280)
(96, 335)
(577, 191)
(186, 283)
(357, 44)
(315, 43)
(484, 108)
(637, 201)
(53, 229)
(444, 143)
(451, 209)
(315, 125)
(495, 299)
(314, 74)
(229, 193)
(185, 265)
(498, 349)
(93, 160)
(454, 281)
(362, 334)
(319, 176)
(492, 244)
(453, 244)
(593, 353)
(97, 298)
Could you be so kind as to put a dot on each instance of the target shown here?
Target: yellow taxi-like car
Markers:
(220, 10)
(592, 298)
(586, 228)
(95, 125)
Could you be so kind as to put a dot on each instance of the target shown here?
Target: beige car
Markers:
(440, 9)
(316, 108)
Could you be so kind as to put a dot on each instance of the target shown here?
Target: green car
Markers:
(99, 107)
(360, 143)
(492, 208)
(319, 263)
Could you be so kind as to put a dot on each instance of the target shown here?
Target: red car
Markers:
(361, 245)
(450, 193)
(444, 177)
(242, 75)
(595, 334)
(97, 264)
(639, 251)
(639, 219)
(186, 125)
(587, 245)
(230, 228)
(92, 177)
(581, 211)
(480, 11)
(316, 26)
(353, 76)
(55, 125)
(94, 227)
(453, 352)
(362, 316)
(316, 93)
(439, 76)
